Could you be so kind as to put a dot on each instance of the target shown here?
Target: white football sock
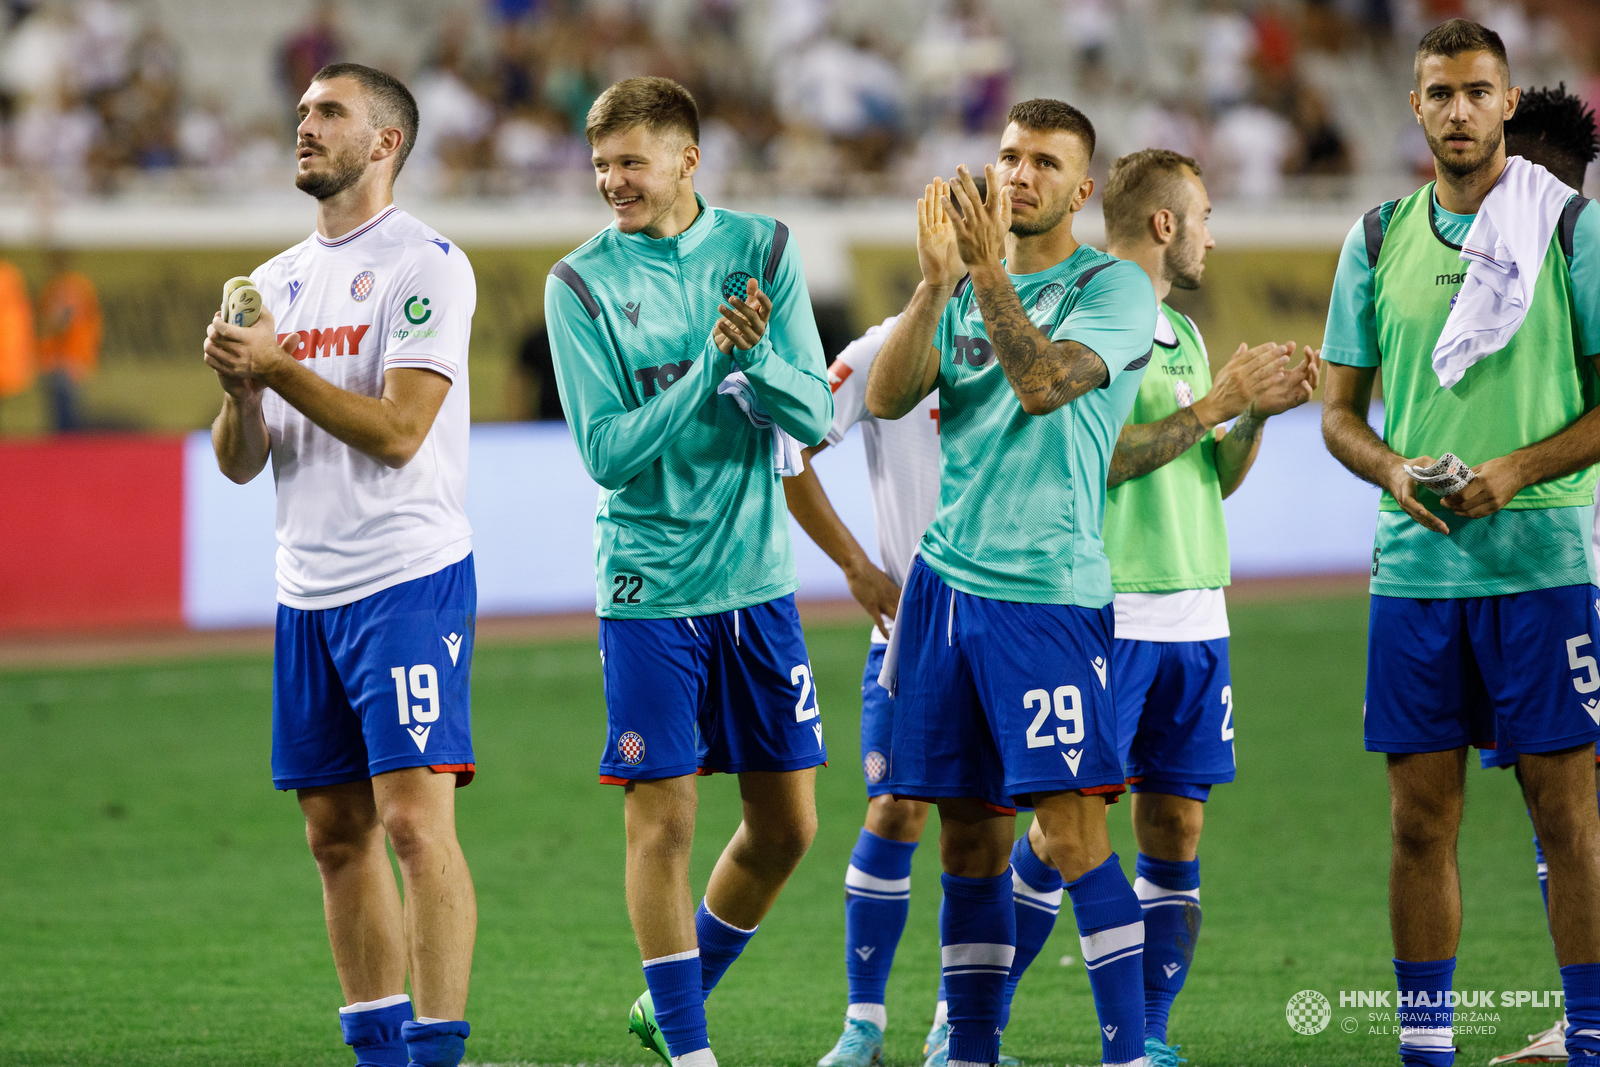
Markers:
(941, 1013)
(876, 1014)
(698, 1058)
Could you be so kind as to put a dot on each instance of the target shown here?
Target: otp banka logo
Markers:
(420, 683)
(417, 310)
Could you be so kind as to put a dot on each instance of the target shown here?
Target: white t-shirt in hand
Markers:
(392, 293)
(902, 454)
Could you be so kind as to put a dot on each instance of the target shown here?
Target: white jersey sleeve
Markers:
(847, 376)
(429, 329)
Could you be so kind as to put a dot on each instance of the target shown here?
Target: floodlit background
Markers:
(146, 156)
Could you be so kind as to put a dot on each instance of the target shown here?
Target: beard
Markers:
(1044, 222)
(1460, 168)
(1185, 260)
(346, 171)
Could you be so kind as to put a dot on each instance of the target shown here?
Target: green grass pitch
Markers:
(158, 904)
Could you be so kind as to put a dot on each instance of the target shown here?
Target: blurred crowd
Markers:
(814, 97)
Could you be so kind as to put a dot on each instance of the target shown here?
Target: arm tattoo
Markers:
(1145, 447)
(1247, 428)
(1053, 372)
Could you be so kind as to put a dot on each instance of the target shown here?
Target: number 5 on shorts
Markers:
(1578, 663)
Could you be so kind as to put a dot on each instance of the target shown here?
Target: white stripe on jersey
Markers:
(390, 294)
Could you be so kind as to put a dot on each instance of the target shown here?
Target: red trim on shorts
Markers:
(1110, 792)
(609, 779)
(1488, 746)
(464, 772)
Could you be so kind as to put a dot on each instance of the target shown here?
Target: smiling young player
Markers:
(691, 373)
(1484, 610)
(357, 393)
(1004, 640)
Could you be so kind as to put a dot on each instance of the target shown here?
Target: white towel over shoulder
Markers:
(1504, 251)
(787, 457)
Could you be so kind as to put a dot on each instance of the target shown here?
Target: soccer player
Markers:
(1482, 618)
(1168, 545)
(1556, 130)
(691, 373)
(1004, 634)
(354, 384)
(903, 468)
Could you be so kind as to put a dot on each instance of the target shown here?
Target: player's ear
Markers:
(691, 159)
(1085, 190)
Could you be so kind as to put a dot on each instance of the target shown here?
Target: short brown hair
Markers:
(1045, 114)
(389, 102)
(1140, 185)
(660, 105)
(1457, 36)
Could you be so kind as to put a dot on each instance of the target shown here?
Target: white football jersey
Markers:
(902, 454)
(392, 293)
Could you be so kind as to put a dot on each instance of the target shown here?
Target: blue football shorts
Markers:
(1174, 715)
(1519, 669)
(378, 685)
(1000, 700)
(731, 692)
(877, 725)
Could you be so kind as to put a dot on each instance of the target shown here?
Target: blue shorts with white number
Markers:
(877, 725)
(1174, 715)
(378, 685)
(1519, 669)
(730, 692)
(1000, 700)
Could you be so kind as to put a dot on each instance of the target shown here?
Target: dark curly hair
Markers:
(1556, 130)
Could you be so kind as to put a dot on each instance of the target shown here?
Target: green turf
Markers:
(158, 904)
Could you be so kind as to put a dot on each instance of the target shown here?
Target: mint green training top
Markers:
(691, 519)
(1398, 277)
(1022, 497)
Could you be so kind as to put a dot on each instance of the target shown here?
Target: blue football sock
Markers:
(439, 1043)
(1426, 1039)
(1169, 893)
(675, 990)
(977, 941)
(372, 1028)
(877, 897)
(1543, 870)
(720, 945)
(1581, 983)
(1036, 889)
(1111, 935)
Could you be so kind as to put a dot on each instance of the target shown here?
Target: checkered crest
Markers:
(630, 746)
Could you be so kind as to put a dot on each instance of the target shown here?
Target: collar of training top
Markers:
(683, 243)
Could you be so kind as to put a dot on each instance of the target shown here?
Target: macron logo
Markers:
(866, 951)
(1172, 968)
(1073, 756)
(1110, 1032)
(453, 643)
(419, 734)
(333, 341)
(1593, 708)
(1099, 665)
(294, 290)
